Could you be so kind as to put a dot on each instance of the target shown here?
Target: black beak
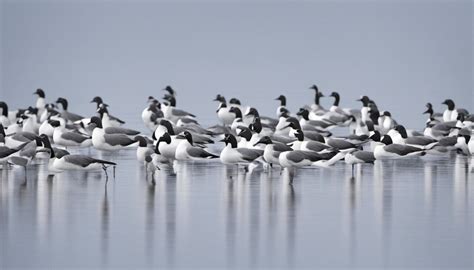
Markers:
(425, 112)
(179, 136)
(223, 140)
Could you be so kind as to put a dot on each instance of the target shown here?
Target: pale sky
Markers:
(402, 54)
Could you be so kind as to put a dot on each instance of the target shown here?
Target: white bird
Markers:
(272, 150)
(67, 162)
(70, 117)
(386, 149)
(187, 151)
(40, 101)
(65, 137)
(233, 155)
(109, 142)
(223, 112)
(4, 120)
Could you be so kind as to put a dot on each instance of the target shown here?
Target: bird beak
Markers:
(359, 99)
(223, 140)
(425, 112)
(179, 136)
(287, 126)
(259, 141)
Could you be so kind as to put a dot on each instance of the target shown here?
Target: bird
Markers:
(170, 111)
(451, 113)
(40, 101)
(231, 154)
(6, 152)
(386, 149)
(323, 123)
(4, 120)
(399, 135)
(359, 157)
(432, 115)
(111, 128)
(101, 140)
(112, 120)
(143, 148)
(64, 137)
(70, 117)
(282, 100)
(465, 143)
(316, 108)
(272, 150)
(238, 121)
(223, 112)
(170, 90)
(17, 139)
(307, 145)
(67, 162)
(27, 153)
(152, 113)
(187, 151)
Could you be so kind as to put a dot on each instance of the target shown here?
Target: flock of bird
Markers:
(46, 131)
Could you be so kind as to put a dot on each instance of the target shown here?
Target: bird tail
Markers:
(105, 162)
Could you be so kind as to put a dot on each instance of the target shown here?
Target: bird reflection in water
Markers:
(105, 228)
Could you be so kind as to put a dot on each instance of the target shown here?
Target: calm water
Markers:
(406, 213)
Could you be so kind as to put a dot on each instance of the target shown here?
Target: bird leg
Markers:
(105, 171)
(114, 171)
(352, 169)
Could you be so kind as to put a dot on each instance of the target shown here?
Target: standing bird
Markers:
(187, 151)
(40, 102)
(233, 155)
(358, 157)
(272, 150)
(67, 162)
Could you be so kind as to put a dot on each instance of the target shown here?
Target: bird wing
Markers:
(116, 119)
(71, 116)
(401, 149)
(365, 156)
(281, 147)
(29, 150)
(179, 113)
(118, 139)
(250, 154)
(199, 152)
(120, 130)
(84, 161)
(340, 144)
(76, 137)
(316, 146)
(419, 140)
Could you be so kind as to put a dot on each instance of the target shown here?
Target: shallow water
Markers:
(405, 213)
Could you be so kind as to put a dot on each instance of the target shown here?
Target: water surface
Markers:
(405, 213)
